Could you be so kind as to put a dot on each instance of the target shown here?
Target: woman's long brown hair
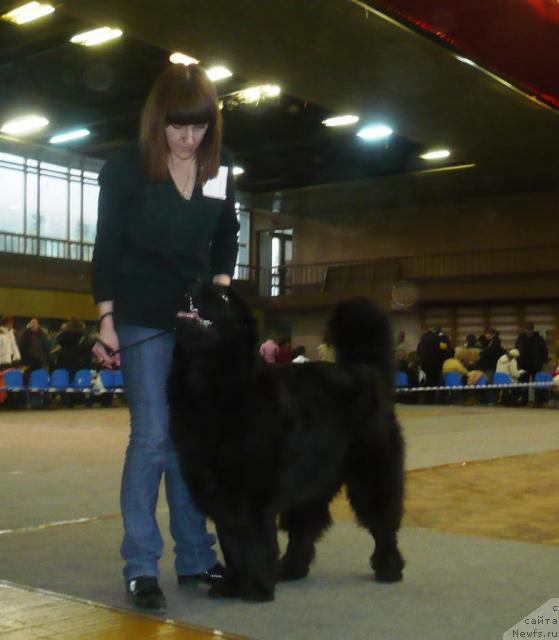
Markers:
(181, 95)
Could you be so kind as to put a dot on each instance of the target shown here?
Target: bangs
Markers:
(196, 110)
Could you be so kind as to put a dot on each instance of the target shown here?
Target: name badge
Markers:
(217, 187)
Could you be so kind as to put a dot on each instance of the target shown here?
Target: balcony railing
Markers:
(45, 247)
(335, 277)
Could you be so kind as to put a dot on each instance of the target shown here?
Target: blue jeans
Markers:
(149, 455)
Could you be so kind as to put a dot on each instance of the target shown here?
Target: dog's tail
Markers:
(360, 332)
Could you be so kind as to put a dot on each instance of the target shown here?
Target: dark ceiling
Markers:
(330, 57)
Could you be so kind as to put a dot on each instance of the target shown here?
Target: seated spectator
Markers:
(284, 352)
(326, 351)
(299, 355)
(269, 350)
(508, 363)
(453, 365)
(9, 352)
(469, 353)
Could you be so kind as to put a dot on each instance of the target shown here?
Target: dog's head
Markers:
(213, 316)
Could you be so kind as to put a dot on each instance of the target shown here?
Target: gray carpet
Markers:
(62, 465)
(455, 586)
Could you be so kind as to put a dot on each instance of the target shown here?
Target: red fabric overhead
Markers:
(516, 39)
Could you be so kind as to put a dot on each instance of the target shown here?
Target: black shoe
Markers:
(213, 575)
(145, 593)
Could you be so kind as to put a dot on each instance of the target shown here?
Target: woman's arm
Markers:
(107, 336)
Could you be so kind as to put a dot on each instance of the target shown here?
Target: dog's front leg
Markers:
(250, 549)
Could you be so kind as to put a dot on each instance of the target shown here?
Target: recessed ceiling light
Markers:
(24, 125)
(257, 93)
(375, 132)
(182, 58)
(435, 154)
(28, 12)
(95, 37)
(218, 73)
(70, 135)
(237, 171)
(340, 121)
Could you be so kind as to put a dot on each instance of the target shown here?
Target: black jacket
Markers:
(533, 352)
(491, 351)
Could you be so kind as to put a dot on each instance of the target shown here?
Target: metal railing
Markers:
(45, 247)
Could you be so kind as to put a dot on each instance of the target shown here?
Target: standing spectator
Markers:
(269, 350)
(433, 349)
(9, 352)
(533, 356)
(69, 339)
(34, 346)
(401, 352)
(284, 352)
(533, 350)
(491, 351)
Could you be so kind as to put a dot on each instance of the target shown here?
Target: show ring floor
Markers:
(480, 537)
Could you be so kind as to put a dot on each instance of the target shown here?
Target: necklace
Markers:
(184, 185)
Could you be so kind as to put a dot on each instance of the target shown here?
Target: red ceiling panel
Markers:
(516, 39)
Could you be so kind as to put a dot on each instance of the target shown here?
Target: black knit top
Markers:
(151, 241)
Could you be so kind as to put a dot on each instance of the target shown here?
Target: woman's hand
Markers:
(107, 336)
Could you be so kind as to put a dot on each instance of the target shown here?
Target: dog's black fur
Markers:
(257, 440)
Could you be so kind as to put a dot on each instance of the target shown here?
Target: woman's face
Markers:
(184, 140)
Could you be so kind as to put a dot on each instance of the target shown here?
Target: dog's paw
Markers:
(289, 572)
(388, 568)
(388, 577)
(224, 589)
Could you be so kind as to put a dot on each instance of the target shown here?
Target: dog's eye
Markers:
(224, 297)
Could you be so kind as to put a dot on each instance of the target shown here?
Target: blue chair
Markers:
(481, 382)
(542, 394)
(37, 387)
(107, 378)
(118, 379)
(501, 378)
(505, 396)
(82, 383)
(60, 379)
(13, 379)
(401, 379)
(39, 379)
(453, 379)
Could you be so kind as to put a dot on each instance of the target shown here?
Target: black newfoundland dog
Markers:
(258, 441)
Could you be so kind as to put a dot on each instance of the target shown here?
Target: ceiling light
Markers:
(218, 73)
(71, 135)
(24, 125)
(375, 132)
(237, 171)
(28, 12)
(466, 61)
(436, 154)
(340, 121)
(182, 58)
(260, 92)
(95, 37)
